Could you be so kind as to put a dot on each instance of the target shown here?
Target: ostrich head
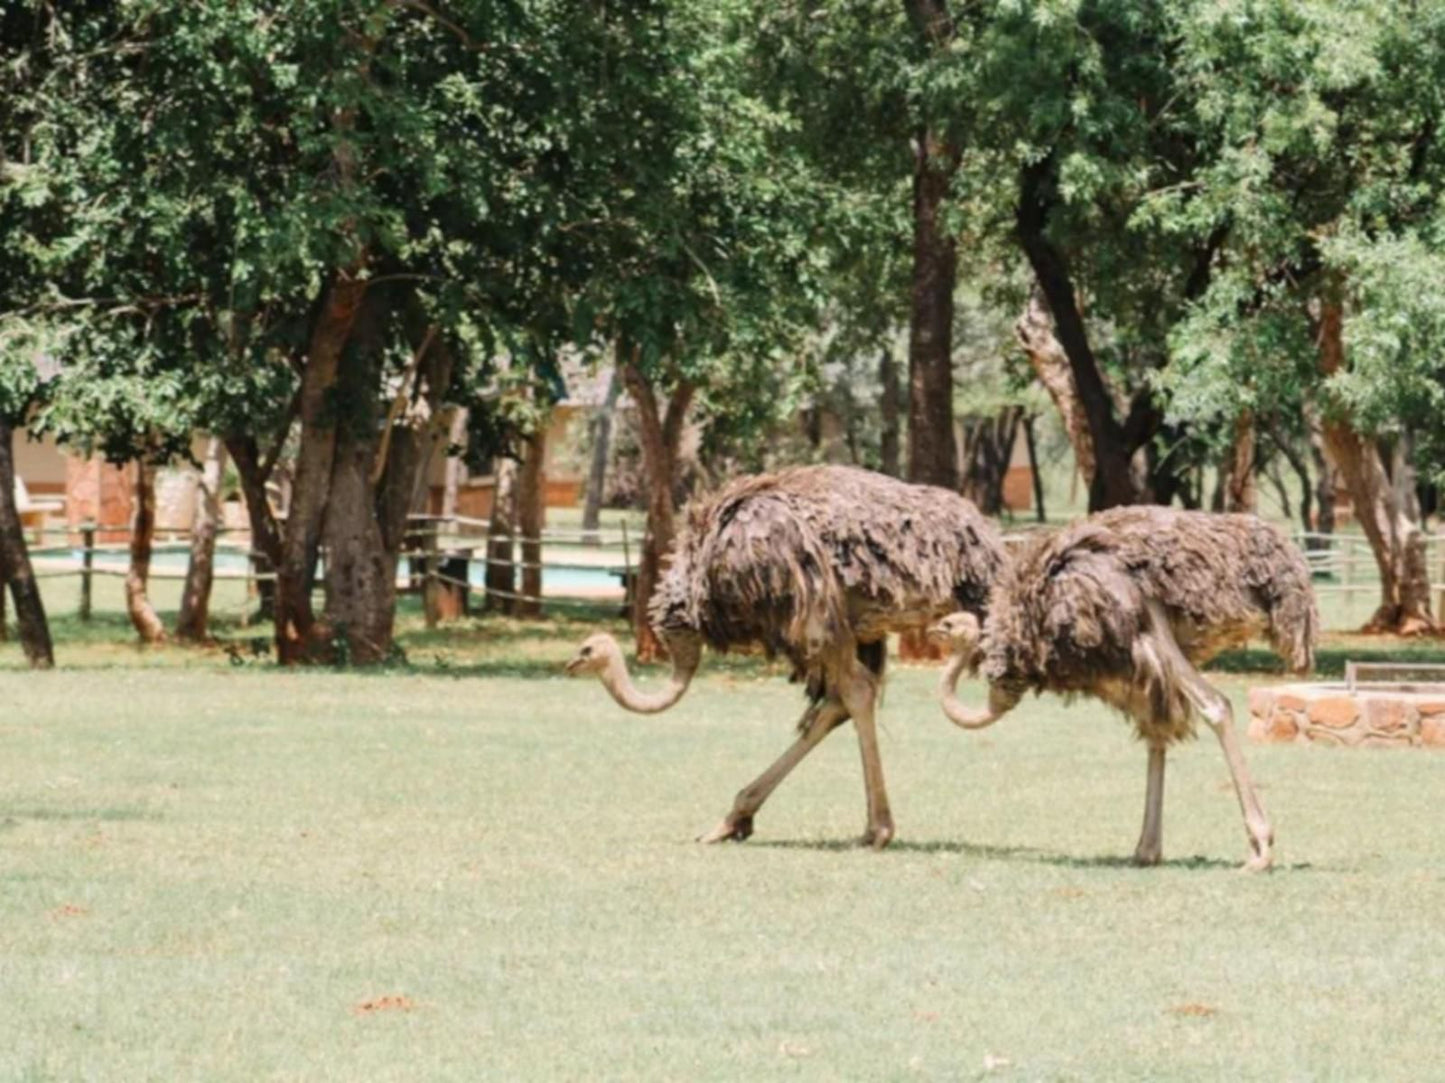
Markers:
(602, 656)
(594, 655)
(959, 632)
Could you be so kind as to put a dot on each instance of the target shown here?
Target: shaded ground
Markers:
(222, 872)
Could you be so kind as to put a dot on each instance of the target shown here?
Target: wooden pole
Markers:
(431, 603)
(87, 565)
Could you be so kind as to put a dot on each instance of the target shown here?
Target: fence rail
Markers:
(586, 568)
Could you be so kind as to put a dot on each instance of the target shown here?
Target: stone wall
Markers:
(1330, 714)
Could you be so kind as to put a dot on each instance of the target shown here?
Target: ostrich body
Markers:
(818, 564)
(1123, 606)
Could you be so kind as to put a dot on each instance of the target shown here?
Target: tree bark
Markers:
(1241, 492)
(456, 470)
(988, 450)
(661, 436)
(531, 517)
(193, 625)
(360, 607)
(1386, 512)
(1113, 482)
(311, 493)
(15, 569)
(137, 577)
(1327, 480)
(1037, 474)
(888, 413)
(932, 450)
(1035, 333)
(501, 578)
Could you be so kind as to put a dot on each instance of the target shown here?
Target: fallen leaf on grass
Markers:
(69, 911)
(794, 1049)
(1194, 1009)
(385, 1004)
(992, 1063)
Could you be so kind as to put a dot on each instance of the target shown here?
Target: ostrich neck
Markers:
(619, 683)
(999, 701)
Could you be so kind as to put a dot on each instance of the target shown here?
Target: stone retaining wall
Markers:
(1332, 715)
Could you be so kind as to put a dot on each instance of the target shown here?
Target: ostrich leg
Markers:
(1151, 846)
(819, 720)
(859, 690)
(1220, 715)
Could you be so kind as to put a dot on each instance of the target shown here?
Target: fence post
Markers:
(87, 563)
(431, 604)
(4, 632)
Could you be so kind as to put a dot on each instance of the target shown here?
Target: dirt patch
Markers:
(384, 1004)
(1194, 1010)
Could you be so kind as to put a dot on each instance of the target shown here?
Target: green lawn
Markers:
(473, 869)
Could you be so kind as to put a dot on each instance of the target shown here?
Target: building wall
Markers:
(40, 464)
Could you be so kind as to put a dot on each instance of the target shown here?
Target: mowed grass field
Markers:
(475, 869)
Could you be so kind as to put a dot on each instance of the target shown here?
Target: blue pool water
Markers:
(554, 580)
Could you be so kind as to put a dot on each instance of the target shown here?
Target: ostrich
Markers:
(1123, 606)
(818, 564)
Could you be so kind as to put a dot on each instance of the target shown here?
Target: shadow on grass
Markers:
(10, 817)
(1017, 853)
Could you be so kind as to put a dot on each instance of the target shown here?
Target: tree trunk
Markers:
(1113, 482)
(531, 516)
(1301, 470)
(193, 625)
(660, 438)
(137, 576)
(1035, 332)
(597, 472)
(1386, 512)
(1241, 492)
(360, 608)
(988, 450)
(932, 451)
(456, 470)
(1327, 480)
(311, 492)
(15, 569)
(1037, 474)
(265, 535)
(501, 578)
(888, 413)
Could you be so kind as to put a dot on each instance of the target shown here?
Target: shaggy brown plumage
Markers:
(812, 557)
(818, 564)
(1124, 606)
(1069, 611)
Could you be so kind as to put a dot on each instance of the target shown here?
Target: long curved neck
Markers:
(1000, 702)
(618, 682)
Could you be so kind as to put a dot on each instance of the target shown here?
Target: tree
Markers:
(1324, 127)
(699, 225)
(359, 197)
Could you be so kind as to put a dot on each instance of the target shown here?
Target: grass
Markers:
(470, 868)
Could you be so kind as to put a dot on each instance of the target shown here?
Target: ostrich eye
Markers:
(586, 651)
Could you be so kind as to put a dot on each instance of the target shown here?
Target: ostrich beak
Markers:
(937, 634)
(574, 667)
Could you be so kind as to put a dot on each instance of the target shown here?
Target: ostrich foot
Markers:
(878, 835)
(1261, 855)
(734, 826)
(1148, 853)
